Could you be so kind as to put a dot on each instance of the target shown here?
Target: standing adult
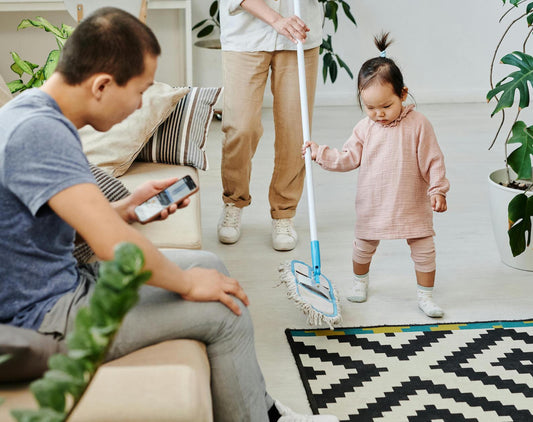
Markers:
(259, 37)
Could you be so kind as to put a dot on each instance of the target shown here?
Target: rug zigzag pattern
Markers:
(449, 372)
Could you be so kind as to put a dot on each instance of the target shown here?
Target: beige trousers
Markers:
(245, 78)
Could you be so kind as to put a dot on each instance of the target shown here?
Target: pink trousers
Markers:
(422, 252)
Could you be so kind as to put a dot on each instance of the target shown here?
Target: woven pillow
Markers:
(113, 189)
(181, 138)
(115, 150)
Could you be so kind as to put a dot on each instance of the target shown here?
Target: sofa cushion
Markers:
(29, 352)
(167, 382)
(181, 138)
(180, 230)
(165, 393)
(115, 150)
(113, 189)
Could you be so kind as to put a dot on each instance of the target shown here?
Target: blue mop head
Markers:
(314, 295)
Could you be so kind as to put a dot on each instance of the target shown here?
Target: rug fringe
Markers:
(313, 316)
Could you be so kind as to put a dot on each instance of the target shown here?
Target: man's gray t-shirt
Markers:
(40, 155)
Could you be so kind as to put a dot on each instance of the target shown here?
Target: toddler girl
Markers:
(401, 176)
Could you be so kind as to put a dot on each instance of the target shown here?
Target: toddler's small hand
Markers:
(438, 203)
(314, 149)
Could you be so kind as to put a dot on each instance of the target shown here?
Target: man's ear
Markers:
(100, 84)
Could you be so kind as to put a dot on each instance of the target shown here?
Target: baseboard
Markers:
(333, 98)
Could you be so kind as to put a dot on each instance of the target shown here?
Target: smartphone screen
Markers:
(174, 193)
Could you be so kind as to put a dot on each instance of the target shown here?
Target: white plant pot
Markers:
(208, 61)
(499, 197)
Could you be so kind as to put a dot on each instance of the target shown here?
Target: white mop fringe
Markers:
(314, 317)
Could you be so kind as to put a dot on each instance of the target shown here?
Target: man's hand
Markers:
(87, 210)
(210, 285)
(438, 203)
(126, 207)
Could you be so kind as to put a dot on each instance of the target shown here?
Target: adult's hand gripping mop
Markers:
(306, 285)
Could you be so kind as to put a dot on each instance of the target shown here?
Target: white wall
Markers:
(443, 47)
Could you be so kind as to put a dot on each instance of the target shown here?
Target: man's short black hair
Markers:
(110, 40)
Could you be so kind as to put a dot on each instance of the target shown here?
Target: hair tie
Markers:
(383, 53)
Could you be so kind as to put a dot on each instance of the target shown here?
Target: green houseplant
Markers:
(518, 165)
(116, 292)
(331, 61)
(37, 75)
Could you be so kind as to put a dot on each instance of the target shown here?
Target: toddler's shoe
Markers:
(229, 225)
(284, 237)
(359, 289)
(426, 303)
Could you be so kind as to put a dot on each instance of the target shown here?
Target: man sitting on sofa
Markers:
(47, 193)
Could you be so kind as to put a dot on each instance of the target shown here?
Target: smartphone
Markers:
(174, 193)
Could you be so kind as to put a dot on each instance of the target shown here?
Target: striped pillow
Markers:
(181, 138)
(113, 189)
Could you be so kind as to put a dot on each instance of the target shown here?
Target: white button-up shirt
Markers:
(241, 31)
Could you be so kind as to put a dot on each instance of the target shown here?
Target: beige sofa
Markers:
(169, 381)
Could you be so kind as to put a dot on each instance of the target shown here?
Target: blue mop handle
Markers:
(315, 249)
(315, 256)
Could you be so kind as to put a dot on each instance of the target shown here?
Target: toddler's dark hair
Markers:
(380, 69)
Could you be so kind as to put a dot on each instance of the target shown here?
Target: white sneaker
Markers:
(287, 415)
(359, 290)
(229, 225)
(284, 237)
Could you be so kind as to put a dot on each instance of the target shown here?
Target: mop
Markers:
(313, 293)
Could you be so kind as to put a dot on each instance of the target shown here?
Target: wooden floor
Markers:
(472, 284)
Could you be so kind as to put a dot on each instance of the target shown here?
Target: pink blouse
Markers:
(400, 166)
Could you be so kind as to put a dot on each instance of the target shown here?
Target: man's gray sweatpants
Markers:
(237, 384)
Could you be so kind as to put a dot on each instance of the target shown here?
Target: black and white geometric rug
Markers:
(440, 372)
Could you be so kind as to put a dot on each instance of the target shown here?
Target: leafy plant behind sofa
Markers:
(24, 67)
(116, 292)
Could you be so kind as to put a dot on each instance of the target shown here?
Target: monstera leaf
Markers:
(520, 211)
(516, 81)
(529, 9)
(520, 158)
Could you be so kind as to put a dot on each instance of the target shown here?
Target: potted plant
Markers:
(331, 60)
(511, 187)
(37, 75)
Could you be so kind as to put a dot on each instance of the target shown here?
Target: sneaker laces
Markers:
(232, 216)
(283, 226)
